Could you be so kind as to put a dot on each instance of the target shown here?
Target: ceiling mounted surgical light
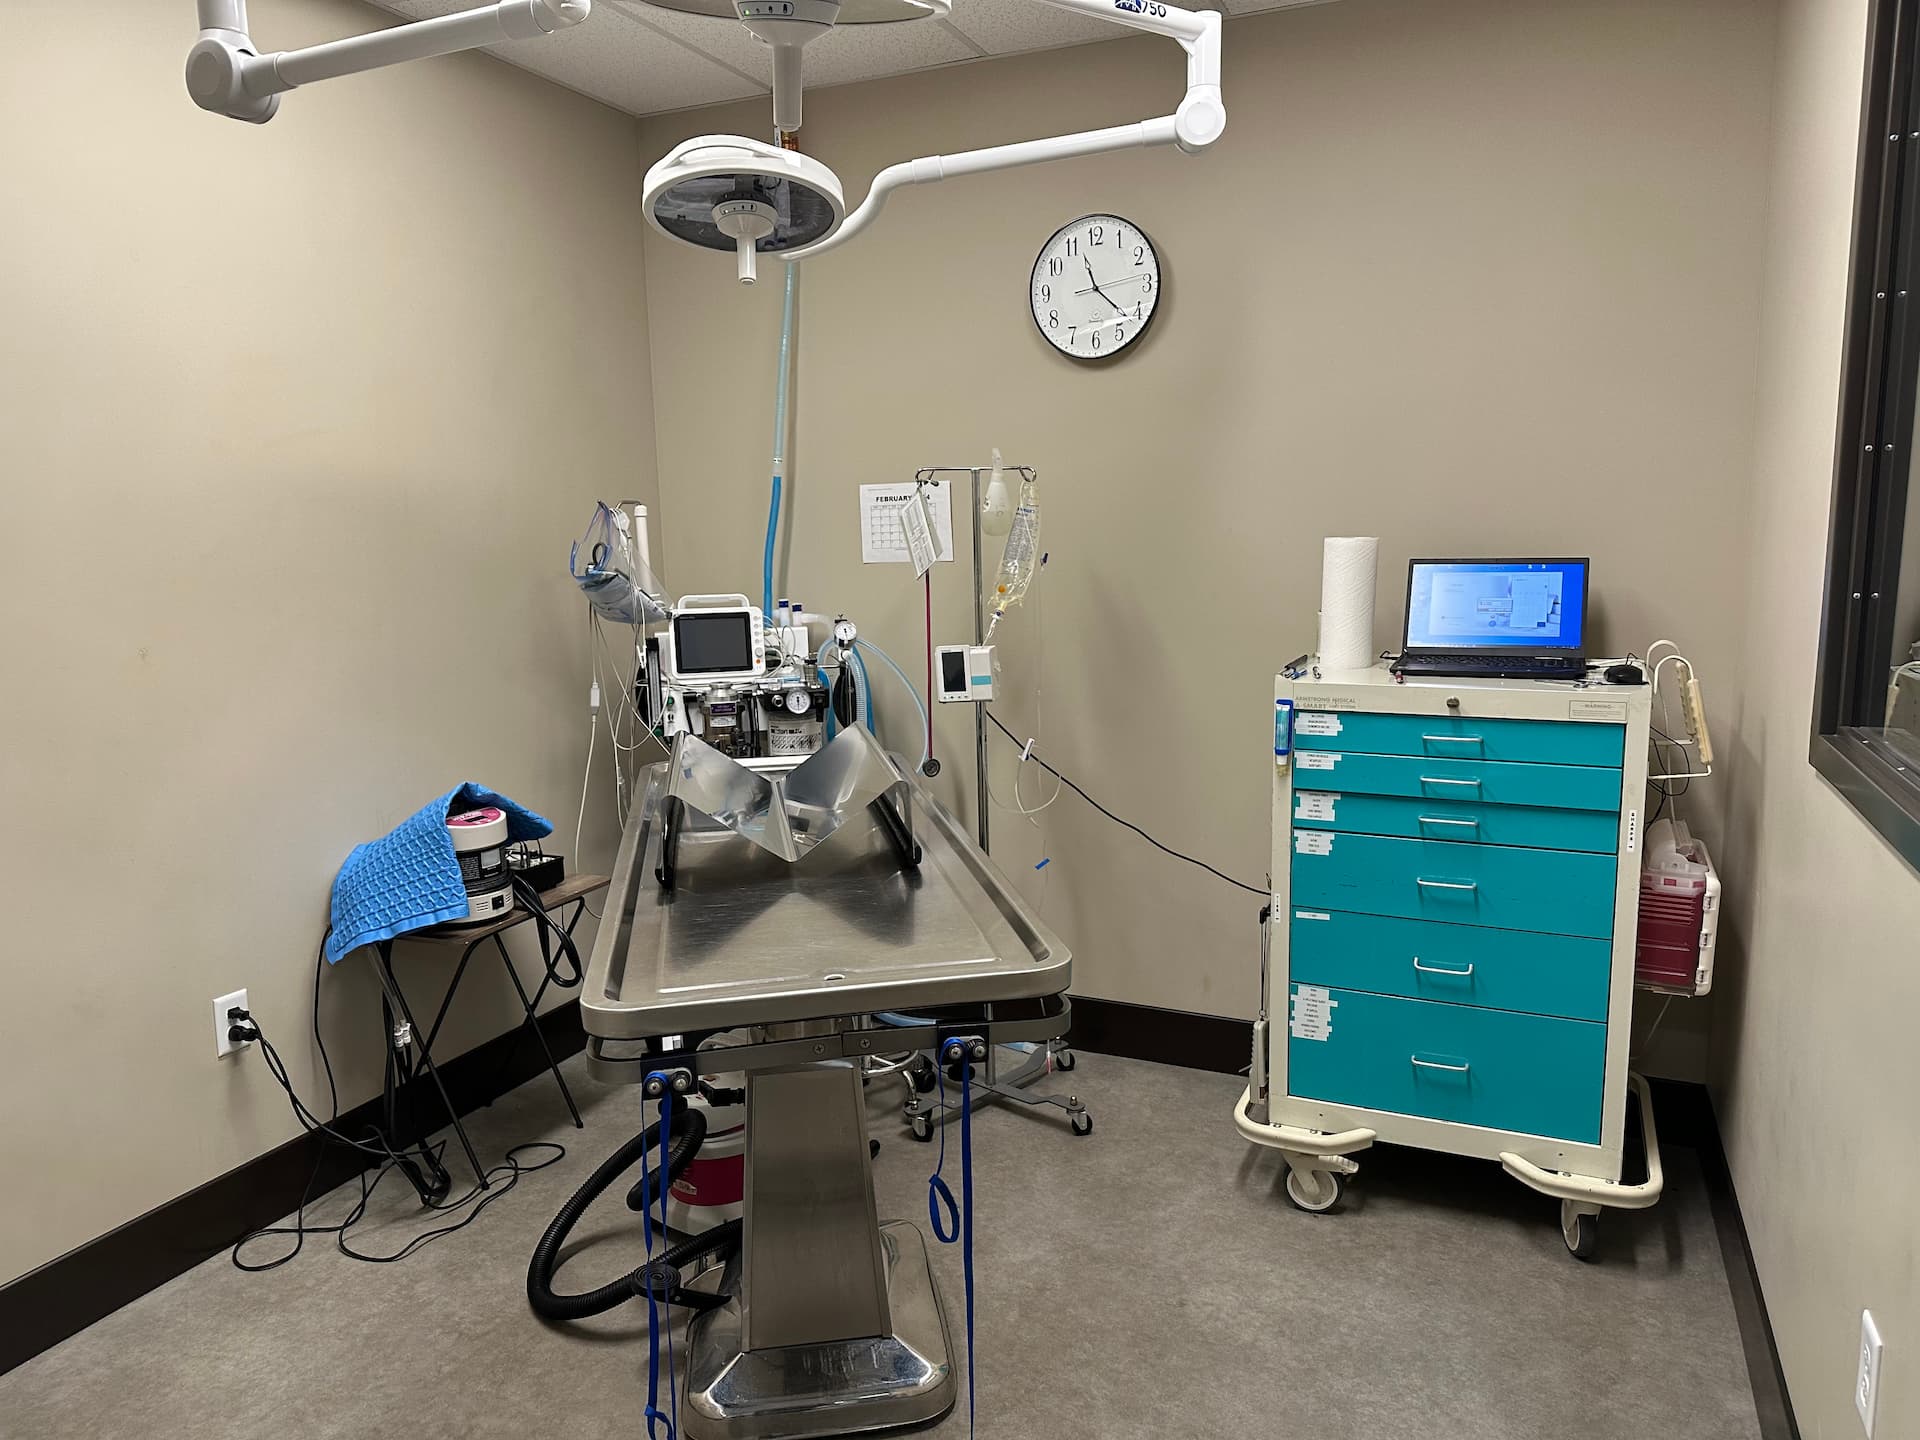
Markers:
(726, 192)
(686, 191)
(787, 25)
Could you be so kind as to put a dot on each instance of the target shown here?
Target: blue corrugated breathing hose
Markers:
(780, 389)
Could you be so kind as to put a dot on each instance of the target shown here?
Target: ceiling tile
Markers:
(863, 52)
(613, 59)
(1251, 7)
(1003, 27)
(727, 41)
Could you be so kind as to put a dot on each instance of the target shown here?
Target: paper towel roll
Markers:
(1349, 565)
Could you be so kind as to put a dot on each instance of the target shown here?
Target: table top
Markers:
(453, 932)
(746, 937)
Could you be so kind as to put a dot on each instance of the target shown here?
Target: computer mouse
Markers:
(1627, 674)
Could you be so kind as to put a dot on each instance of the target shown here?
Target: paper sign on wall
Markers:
(883, 529)
(1312, 842)
(1314, 722)
(1316, 760)
(1313, 805)
(1313, 1011)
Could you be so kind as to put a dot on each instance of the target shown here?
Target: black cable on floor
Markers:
(1125, 824)
(375, 1144)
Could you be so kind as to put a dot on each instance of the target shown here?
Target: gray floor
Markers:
(1149, 1280)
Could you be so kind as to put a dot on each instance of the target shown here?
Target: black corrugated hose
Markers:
(661, 1274)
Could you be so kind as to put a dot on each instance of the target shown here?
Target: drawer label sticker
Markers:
(1597, 709)
(1313, 805)
(1310, 722)
(1313, 1011)
(1312, 842)
(1311, 915)
(1317, 760)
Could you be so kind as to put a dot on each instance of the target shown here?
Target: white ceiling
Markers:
(642, 59)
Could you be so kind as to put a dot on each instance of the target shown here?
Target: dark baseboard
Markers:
(1168, 1037)
(1683, 1109)
(45, 1306)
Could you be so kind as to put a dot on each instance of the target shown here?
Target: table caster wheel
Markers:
(1581, 1232)
(1323, 1194)
(923, 1077)
(922, 1129)
(1063, 1059)
(1082, 1122)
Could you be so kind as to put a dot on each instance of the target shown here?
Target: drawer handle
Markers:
(1453, 739)
(1440, 970)
(1442, 780)
(1436, 1065)
(1442, 820)
(1449, 884)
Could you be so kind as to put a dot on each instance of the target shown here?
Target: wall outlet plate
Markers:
(221, 1044)
(1866, 1385)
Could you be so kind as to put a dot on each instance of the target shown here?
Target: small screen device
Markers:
(714, 638)
(1518, 618)
(965, 672)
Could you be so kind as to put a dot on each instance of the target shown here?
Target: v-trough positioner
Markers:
(726, 192)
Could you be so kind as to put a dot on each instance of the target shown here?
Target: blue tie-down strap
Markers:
(661, 1424)
(409, 878)
(958, 1219)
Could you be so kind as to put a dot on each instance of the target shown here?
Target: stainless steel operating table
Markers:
(774, 919)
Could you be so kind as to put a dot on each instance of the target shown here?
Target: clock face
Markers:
(1095, 286)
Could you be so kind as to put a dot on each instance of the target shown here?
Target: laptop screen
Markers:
(1537, 606)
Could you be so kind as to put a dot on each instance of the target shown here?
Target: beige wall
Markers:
(1817, 1054)
(1475, 277)
(296, 423)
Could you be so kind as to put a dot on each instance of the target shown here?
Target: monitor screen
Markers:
(1534, 605)
(716, 642)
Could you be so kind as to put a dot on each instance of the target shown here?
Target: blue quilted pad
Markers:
(410, 878)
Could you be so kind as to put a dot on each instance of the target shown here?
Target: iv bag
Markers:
(613, 579)
(1022, 555)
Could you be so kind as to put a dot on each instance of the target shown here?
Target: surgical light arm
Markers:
(1199, 120)
(227, 76)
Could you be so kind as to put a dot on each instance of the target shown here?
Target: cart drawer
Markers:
(1596, 830)
(1563, 975)
(1548, 742)
(1492, 782)
(1528, 1073)
(1560, 892)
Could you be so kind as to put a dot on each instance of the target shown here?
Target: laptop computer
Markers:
(1515, 619)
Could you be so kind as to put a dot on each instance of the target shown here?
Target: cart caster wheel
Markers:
(1581, 1232)
(1064, 1059)
(1317, 1201)
(924, 1078)
(922, 1129)
(1082, 1123)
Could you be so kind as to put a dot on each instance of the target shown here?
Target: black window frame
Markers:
(1880, 370)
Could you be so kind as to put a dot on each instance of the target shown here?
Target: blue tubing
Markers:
(780, 389)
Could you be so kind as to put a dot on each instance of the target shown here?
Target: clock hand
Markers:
(1121, 281)
(1118, 310)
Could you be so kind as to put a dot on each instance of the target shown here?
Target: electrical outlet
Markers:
(221, 1024)
(1866, 1386)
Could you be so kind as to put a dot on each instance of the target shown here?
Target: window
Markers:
(1866, 724)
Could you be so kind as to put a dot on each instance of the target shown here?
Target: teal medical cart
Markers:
(1449, 959)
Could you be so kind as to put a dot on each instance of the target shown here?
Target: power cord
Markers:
(1027, 754)
(243, 1027)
